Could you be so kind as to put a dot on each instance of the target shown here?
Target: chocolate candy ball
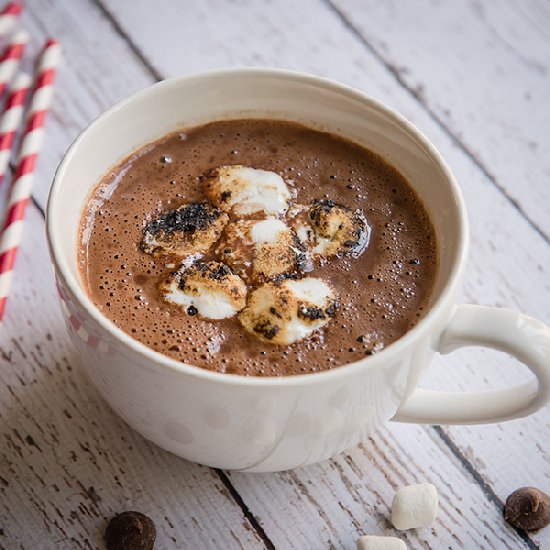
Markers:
(130, 531)
(528, 508)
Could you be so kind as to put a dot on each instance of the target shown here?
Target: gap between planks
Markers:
(157, 76)
(417, 95)
(480, 480)
(245, 509)
(128, 39)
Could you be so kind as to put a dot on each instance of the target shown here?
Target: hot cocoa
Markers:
(258, 247)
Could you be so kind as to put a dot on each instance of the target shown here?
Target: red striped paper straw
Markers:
(10, 58)
(8, 16)
(11, 119)
(21, 189)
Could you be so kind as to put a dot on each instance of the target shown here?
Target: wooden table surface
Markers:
(474, 76)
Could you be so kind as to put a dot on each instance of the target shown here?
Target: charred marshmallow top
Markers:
(210, 290)
(260, 250)
(187, 230)
(338, 230)
(247, 235)
(244, 190)
(288, 311)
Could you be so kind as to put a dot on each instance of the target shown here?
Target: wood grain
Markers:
(489, 90)
(497, 273)
(97, 71)
(67, 463)
(75, 443)
(329, 505)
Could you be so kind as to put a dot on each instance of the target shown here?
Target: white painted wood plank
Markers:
(483, 67)
(97, 70)
(509, 264)
(189, 43)
(67, 462)
(316, 62)
(61, 439)
(329, 505)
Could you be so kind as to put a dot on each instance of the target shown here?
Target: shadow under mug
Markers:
(270, 424)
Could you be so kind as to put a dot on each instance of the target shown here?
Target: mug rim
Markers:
(75, 287)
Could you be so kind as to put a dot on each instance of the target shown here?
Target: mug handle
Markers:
(502, 329)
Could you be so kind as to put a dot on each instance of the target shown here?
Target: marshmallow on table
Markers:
(414, 506)
(244, 190)
(369, 542)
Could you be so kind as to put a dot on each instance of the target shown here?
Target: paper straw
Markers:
(11, 56)
(8, 16)
(21, 189)
(11, 119)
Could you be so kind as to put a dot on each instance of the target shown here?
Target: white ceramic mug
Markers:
(270, 424)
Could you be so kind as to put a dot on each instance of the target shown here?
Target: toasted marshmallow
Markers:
(190, 229)
(338, 230)
(243, 190)
(262, 249)
(210, 289)
(288, 311)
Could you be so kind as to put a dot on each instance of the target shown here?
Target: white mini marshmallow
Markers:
(414, 506)
(369, 542)
(244, 190)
